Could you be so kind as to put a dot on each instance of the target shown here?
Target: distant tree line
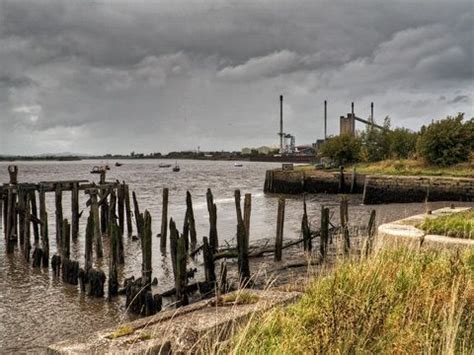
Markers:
(444, 142)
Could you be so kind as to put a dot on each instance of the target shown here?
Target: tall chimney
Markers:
(281, 123)
(352, 108)
(372, 112)
(325, 119)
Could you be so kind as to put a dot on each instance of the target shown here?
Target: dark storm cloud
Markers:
(96, 76)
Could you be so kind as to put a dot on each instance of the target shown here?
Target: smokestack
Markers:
(325, 119)
(372, 111)
(281, 123)
(352, 108)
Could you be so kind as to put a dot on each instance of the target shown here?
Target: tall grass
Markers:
(457, 225)
(397, 301)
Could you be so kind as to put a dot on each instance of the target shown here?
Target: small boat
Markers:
(176, 167)
(238, 165)
(118, 164)
(164, 165)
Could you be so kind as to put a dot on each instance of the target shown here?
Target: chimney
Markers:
(281, 123)
(325, 119)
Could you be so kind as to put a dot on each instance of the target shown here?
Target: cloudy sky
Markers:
(116, 76)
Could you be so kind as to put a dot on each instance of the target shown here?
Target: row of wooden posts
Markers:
(110, 214)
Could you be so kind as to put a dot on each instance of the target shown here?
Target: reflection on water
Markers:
(36, 309)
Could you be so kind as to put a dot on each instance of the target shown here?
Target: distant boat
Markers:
(118, 164)
(164, 165)
(176, 167)
(238, 165)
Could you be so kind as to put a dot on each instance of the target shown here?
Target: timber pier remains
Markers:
(375, 189)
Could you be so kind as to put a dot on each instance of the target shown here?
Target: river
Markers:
(37, 309)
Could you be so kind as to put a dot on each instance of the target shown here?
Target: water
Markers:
(37, 309)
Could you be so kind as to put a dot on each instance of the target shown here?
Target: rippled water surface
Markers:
(37, 309)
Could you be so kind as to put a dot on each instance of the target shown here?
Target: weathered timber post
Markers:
(209, 268)
(181, 277)
(96, 218)
(242, 243)
(370, 233)
(341, 179)
(173, 244)
(128, 211)
(344, 216)
(164, 220)
(119, 228)
(5, 211)
(11, 221)
(146, 250)
(279, 229)
(223, 278)
(44, 226)
(59, 213)
(65, 240)
(34, 213)
(137, 215)
(13, 173)
(324, 232)
(247, 211)
(22, 196)
(113, 258)
(89, 242)
(191, 221)
(305, 230)
(27, 226)
(212, 209)
(75, 210)
(121, 206)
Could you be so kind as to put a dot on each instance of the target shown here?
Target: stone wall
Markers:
(390, 189)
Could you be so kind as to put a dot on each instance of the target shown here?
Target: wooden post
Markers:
(370, 233)
(119, 228)
(247, 211)
(75, 210)
(13, 173)
(113, 258)
(324, 232)
(209, 268)
(27, 224)
(44, 226)
(181, 277)
(279, 229)
(121, 207)
(344, 216)
(89, 242)
(242, 243)
(65, 240)
(305, 230)
(34, 212)
(5, 212)
(128, 211)
(212, 209)
(97, 232)
(22, 195)
(59, 214)
(191, 221)
(11, 221)
(173, 244)
(137, 214)
(146, 251)
(164, 220)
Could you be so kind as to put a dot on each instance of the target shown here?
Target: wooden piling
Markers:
(65, 240)
(11, 221)
(191, 221)
(96, 218)
(324, 232)
(59, 214)
(242, 243)
(27, 230)
(128, 211)
(146, 250)
(305, 230)
(137, 214)
(164, 220)
(34, 213)
(113, 284)
(121, 207)
(44, 226)
(181, 277)
(279, 229)
(89, 243)
(21, 211)
(173, 244)
(370, 233)
(247, 212)
(209, 268)
(212, 209)
(344, 217)
(75, 211)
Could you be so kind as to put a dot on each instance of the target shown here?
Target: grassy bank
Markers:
(458, 225)
(413, 167)
(398, 301)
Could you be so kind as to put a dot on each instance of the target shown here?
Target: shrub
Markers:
(375, 143)
(402, 143)
(342, 149)
(447, 142)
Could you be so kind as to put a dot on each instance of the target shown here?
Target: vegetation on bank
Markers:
(442, 143)
(457, 225)
(397, 301)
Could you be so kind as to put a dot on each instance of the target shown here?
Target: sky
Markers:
(96, 77)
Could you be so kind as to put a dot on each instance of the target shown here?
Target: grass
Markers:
(120, 332)
(239, 298)
(406, 167)
(457, 225)
(397, 301)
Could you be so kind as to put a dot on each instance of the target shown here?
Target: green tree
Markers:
(375, 142)
(447, 142)
(402, 143)
(342, 149)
